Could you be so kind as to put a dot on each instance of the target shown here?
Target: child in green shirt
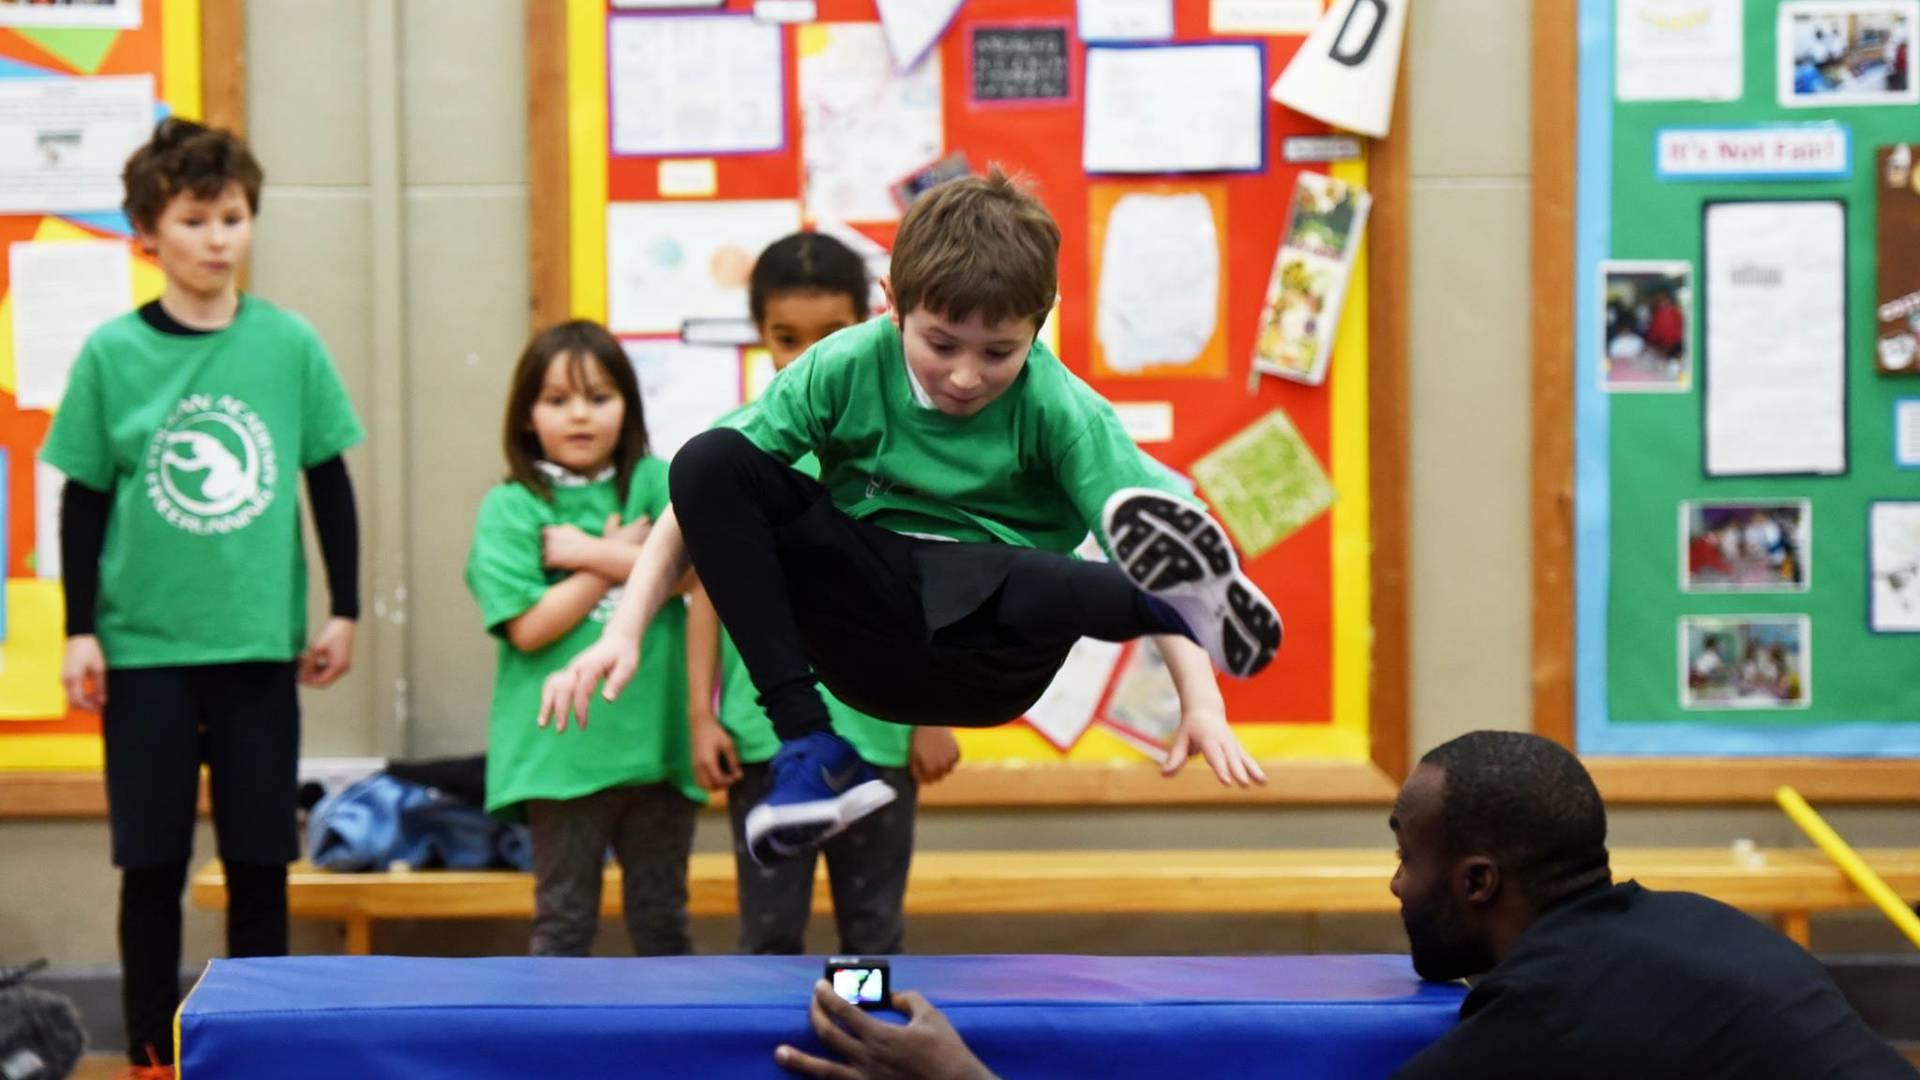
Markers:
(926, 577)
(550, 549)
(183, 432)
(803, 288)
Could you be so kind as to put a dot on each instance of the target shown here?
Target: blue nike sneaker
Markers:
(820, 786)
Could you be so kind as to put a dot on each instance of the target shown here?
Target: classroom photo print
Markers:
(1847, 52)
(1746, 546)
(1647, 318)
(1893, 539)
(1745, 662)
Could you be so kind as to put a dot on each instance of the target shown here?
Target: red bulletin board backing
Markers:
(1333, 702)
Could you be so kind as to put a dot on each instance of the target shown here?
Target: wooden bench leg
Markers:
(359, 935)
(1796, 925)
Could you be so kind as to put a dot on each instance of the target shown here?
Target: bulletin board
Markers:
(1329, 717)
(192, 49)
(1709, 624)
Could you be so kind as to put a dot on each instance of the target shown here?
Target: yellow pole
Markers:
(1850, 864)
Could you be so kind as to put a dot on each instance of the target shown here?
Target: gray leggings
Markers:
(650, 828)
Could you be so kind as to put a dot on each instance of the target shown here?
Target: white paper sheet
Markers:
(63, 142)
(1159, 281)
(695, 84)
(669, 262)
(47, 485)
(866, 125)
(97, 15)
(1776, 292)
(1264, 16)
(1064, 712)
(1146, 421)
(1178, 108)
(1894, 536)
(913, 27)
(683, 388)
(61, 293)
(1906, 433)
(1125, 20)
(1678, 50)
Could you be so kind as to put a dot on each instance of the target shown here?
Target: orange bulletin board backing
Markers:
(1329, 717)
(192, 50)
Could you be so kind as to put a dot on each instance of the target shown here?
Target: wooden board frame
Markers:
(223, 90)
(1657, 780)
(1322, 783)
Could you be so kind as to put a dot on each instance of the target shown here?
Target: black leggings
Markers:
(150, 942)
(804, 589)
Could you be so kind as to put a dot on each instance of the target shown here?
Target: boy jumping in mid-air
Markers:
(925, 577)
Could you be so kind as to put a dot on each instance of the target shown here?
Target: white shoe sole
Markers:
(787, 830)
(1180, 555)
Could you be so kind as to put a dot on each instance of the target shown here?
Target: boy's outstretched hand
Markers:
(925, 1048)
(568, 691)
(1203, 730)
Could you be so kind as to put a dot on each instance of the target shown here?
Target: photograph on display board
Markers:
(1893, 541)
(1746, 546)
(1896, 348)
(1847, 52)
(1647, 319)
(1745, 662)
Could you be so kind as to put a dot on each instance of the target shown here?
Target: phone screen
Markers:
(861, 986)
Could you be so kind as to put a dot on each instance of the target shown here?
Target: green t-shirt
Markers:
(1034, 468)
(640, 738)
(200, 440)
(876, 741)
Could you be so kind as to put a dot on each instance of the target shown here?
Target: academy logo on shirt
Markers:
(211, 468)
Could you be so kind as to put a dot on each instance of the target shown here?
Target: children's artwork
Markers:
(30, 687)
(1846, 52)
(1067, 709)
(865, 125)
(1678, 50)
(1647, 320)
(1175, 109)
(1906, 433)
(1304, 296)
(683, 389)
(1125, 20)
(1746, 546)
(913, 27)
(61, 293)
(1262, 17)
(1893, 542)
(1159, 285)
(1144, 708)
(1265, 483)
(48, 483)
(63, 142)
(1745, 662)
(1023, 64)
(952, 167)
(669, 262)
(695, 84)
(1775, 330)
(1896, 348)
(87, 15)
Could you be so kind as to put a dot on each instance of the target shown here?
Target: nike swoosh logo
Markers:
(839, 783)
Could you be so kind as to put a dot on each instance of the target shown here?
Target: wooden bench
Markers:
(1788, 885)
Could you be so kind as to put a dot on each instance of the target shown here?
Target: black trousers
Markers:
(912, 631)
(160, 725)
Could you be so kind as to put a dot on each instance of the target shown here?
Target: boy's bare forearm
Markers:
(703, 652)
(1192, 673)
